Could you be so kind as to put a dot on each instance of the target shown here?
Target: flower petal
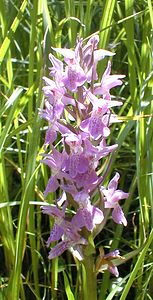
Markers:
(59, 249)
(114, 182)
(55, 234)
(52, 185)
(113, 269)
(52, 211)
(97, 215)
(119, 195)
(101, 53)
(118, 215)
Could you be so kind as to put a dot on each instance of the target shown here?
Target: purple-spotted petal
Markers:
(94, 40)
(69, 188)
(105, 151)
(118, 195)
(83, 164)
(55, 235)
(74, 77)
(76, 164)
(59, 249)
(95, 126)
(87, 218)
(77, 220)
(85, 124)
(87, 180)
(52, 185)
(52, 211)
(118, 215)
(51, 136)
(82, 198)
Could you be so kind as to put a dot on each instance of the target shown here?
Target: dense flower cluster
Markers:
(78, 111)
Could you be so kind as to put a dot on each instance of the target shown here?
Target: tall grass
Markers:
(27, 32)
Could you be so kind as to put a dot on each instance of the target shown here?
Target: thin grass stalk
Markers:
(137, 266)
(150, 6)
(105, 28)
(141, 166)
(32, 239)
(106, 21)
(54, 278)
(9, 37)
(77, 293)
(88, 17)
(20, 158)
(147, 91)
(33, 35)
(130, 44)
(142, 159)
(51, 40)
(142, 178)
(143, 143)
(6, 221)
(32, 64)
(70, 12)
(6, 227)
(10, 117)
(80, 14)
(146, 94)
(68, 290)
(149, 174)
(14, 284)
(9, 68)
(49, 37)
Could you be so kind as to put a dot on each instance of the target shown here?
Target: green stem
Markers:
(89, 279)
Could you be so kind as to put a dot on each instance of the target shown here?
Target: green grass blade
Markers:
(49, 38)
(72, 29)
(137, 266)
(106, 21)
(15, 98)
(150, 11)
(130, 44)
(10, 101)
(15, 24)
(88, 16)
(6, 226)
(9, 67)
(14, 284)
(68, 291)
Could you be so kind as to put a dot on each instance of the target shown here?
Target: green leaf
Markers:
(137, 266)
(12, 100)
(12, 30)
(68, 291)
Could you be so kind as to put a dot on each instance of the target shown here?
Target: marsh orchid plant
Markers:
(78, 109)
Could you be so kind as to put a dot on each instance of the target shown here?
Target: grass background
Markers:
(28, 29)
